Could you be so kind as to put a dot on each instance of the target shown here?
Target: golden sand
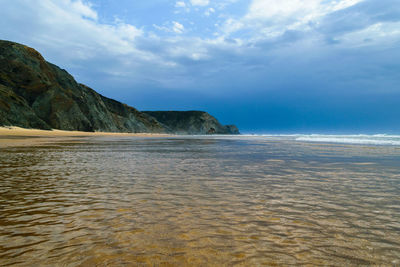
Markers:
(16, 136)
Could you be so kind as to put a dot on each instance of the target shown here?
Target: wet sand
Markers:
(16, 136)
(199, 201)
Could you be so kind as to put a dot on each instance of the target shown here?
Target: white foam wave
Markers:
(362, 139)
(377, 139)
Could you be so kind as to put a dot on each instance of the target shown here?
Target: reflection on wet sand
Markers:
(199, 201)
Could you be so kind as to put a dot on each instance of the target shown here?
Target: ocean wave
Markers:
(362, 139)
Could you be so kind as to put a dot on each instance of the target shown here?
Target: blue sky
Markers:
(265, 65)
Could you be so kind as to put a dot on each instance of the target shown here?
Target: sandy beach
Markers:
(16, 136)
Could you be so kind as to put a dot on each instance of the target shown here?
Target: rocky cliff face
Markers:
(191, 122)
(37, 94)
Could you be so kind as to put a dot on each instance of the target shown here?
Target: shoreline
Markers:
(11, 136)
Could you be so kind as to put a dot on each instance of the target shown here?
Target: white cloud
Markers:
(180, 4)
(271, 18)
(177, 27)
(162, 28)
(295, 9)
(232, 25)
(379, 34)
(84, 9)
(127, 31)
(209, 11)
(200, 2)
(69, 33)
(73, 27)
(337, 5)
(171, 27)
(271, 9)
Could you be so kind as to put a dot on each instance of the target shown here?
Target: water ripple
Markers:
(199, 201)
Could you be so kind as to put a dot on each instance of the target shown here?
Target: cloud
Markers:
(200, 2)
(181, 7)
(84, 9)
(379, 34)
(71, 24)
(269, 18)
(360, 16)
(177, 27)
(270, 9)
(295, 10)
(68, 34)
(209, 11)
(261, 47)
(171, 27)
(180, 4)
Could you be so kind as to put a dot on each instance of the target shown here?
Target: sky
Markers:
(268, 66)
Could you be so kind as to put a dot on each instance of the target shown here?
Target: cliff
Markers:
(191, 122)
(37, 94)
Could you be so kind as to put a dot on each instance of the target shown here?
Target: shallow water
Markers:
(199, 201)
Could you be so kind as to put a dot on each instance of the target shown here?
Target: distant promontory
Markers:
(37, 94)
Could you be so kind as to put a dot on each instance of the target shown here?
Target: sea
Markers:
(247, 200)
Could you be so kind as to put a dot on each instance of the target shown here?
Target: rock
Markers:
(232, 129)
(191, 122)
(38, 94)
(15, 111)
